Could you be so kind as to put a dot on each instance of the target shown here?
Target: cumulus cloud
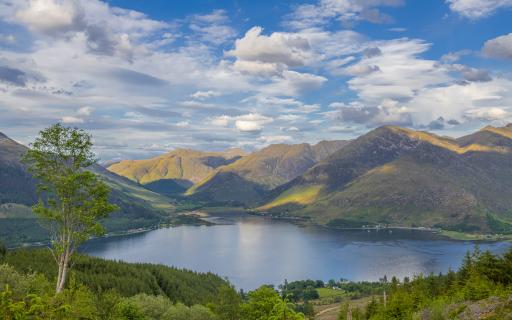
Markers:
(401, 72)
(49, 16)
(259, 53)
(453, 101)
(106, 30)
(477, 9)
(136, 79)
(252, 122)
(500, 47)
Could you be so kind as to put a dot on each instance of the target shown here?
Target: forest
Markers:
(103, 289)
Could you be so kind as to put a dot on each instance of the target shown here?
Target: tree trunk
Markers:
(59, 275)
(65, 267)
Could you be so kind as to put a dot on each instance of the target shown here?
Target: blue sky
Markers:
(145, 77)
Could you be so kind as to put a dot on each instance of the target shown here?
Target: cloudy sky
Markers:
(145, 77)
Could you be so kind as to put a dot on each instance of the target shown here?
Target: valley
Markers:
(390, 177)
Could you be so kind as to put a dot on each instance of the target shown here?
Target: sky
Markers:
(146, 77)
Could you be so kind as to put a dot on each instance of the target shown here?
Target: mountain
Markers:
(402, 177)
(176, 171)
(248, 180)
(139, 207)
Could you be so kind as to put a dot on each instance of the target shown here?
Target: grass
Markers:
(326, 293)
(302, 195)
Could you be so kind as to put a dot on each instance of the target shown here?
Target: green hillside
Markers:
(401, 177)
(139, 207)
(248, 180)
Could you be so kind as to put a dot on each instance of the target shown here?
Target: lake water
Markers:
(251, 251)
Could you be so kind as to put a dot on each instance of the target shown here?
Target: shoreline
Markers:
(452, 235)
(200, 218)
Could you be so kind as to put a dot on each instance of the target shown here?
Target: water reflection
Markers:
(251, 251)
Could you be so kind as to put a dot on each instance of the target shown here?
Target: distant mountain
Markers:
(176, 171)
(411, 178)
(139, 207)
(248, 180)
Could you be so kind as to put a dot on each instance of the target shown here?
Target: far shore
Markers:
(201, 218)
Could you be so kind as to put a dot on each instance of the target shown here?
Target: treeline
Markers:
(102, 289)
(482, 275)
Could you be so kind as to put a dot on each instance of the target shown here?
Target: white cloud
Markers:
(453, 101)
(275, 139)
(259, 53)
(49, 16)
(205, 94)
(290, 117)
(221, 121)
(477, 9)
(486, 114)
(84, 111)
(347, 11)
(71, 120)
(183, 124)
(252, 122)
(213, 27)
(400, 74)
(361, 69)
(500, 47)
(293, 83)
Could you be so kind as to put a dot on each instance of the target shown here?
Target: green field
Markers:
(325, 293)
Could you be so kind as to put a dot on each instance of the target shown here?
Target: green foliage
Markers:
(227, 304)
(72, 200)
(301, 290)
(127, 279)
(481, 275)
(266, 304)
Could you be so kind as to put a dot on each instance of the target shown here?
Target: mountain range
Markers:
(401, 177)
(390, 176)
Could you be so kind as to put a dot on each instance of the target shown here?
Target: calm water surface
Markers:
(250, 251)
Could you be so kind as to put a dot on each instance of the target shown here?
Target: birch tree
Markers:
(72, 199)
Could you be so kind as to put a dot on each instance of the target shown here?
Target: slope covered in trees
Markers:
(101, 289)
(480, 289)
